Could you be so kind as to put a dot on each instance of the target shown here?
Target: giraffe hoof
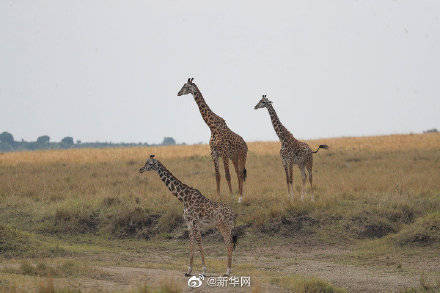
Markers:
(228, 272)
(240, 199)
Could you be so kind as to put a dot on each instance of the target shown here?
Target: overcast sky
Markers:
(110, 70)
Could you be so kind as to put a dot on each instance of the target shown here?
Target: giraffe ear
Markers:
(191, 79)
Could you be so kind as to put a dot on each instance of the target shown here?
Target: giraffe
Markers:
(198, 211)
(224, 143)
(292, 150)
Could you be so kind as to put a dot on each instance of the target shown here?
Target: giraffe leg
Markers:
(309, 167)
(198, 238)
(227, 174)
(242, 175)
(191, 251)
(303, 177)
(239, 171)
(291, 179)
(286, 169)
(217, 173)
(226, 232)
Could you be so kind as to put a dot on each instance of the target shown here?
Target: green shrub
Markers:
(40, 269)
(424, 231)
(17, 243)
(369, 224)
(137, 222)
(73, 221)
(375, 218)
(171, 220)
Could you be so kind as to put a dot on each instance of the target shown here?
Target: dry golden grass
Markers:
(383, 163)
(404, 142)
(395, 167)
(76, 200)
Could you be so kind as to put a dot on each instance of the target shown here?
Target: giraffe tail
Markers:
(244, 174)
(321, 146)
(234, 241)
(237, 232)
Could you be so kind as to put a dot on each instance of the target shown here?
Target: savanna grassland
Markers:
(85, 219)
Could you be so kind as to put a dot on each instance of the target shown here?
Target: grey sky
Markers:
(110, 70)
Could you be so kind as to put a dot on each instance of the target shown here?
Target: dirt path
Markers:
(263, 262)
(157, 277)
(353, 278)
(316, 262)
(289, 260)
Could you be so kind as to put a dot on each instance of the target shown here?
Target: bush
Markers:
(74, 221)
(424, 231)
(119, 217)
(373, 219)
(370, 224)
(171, 220)
(14, 242)
(137, 222)
(41, 269)
(295, 219)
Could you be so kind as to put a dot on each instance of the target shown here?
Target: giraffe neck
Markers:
(174, 185)
(213, 121)
(281, 131)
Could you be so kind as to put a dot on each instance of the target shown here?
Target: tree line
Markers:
(9, 144)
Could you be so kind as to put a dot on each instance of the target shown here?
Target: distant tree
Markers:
(67, 142)
(433, 130)
(44, 139)
(78, 141)
(4, 147)
(6, 138)
(168, 141)
(33, 146)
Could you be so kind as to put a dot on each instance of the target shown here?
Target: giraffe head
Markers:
(263, 103)
(150, 164)
(188, 88)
